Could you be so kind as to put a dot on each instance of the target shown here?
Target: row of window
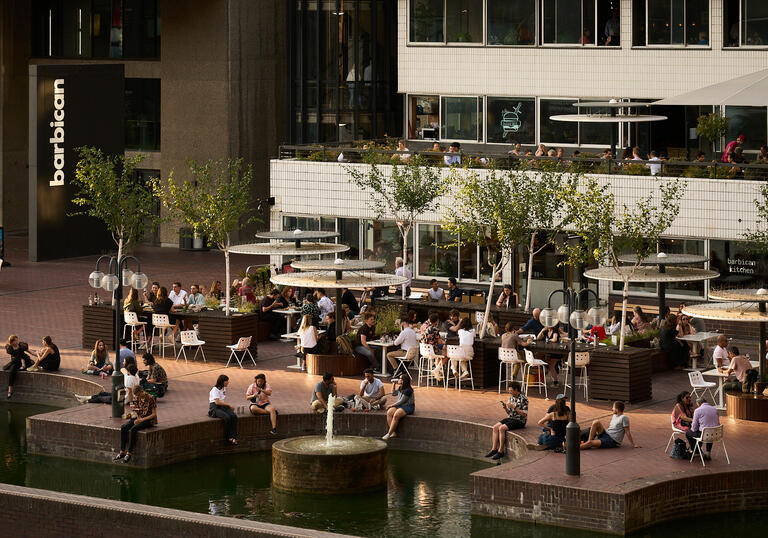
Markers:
(431, 257)
(95, 29)
(583, 22)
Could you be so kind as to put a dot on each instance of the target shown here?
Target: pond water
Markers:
(427, 494)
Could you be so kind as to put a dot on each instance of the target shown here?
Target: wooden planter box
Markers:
(98, 324)
(620, 375)
(341, 365)
(747, 406)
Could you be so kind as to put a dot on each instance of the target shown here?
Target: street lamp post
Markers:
(112, 282)
(576, 319)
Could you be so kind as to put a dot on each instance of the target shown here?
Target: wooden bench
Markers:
(747, 406)
(647, 309)
(341, 365)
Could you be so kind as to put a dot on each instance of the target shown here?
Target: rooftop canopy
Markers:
(747, 90)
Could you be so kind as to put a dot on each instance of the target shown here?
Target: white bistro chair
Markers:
(241, 347)
(508, 358)
(675, 431)
(189, 339)
(456, 357)
(133, 324)
(582, 379)
(161, 323)
(535, 365)
(698, 383)
(709, 435)
(426, 364)
(403, 362)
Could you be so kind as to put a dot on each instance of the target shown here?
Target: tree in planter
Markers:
(536, 200)
(712, 126)
(215, 202)
(484, 211)
(410, 190)
(606, 231)
(107, 190)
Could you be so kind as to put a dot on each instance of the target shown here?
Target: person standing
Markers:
(613, 29)
(401, 270)
(267, 314)
(146, 416)
(218, 408)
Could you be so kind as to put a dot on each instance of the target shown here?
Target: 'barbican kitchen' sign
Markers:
(71, 106)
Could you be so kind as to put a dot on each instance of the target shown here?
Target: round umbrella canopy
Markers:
(337, 265)
(752, 295)
(651, 274)
(607, 118)
(288, 249)
(297, 235)
(661, 258)
(613, 103)
(729, 311)
(327, 279)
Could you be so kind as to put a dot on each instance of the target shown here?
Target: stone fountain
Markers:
(329, 464)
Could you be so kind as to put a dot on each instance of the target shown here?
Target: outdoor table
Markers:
(721, 376)
(288, 313)
(297, 336)
(385, 345)
(699, 340)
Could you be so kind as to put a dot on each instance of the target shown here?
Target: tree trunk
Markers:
(404, 232)
(496, 270)
(623, 313)
(117, 268)
(226, 280)
(529, 279)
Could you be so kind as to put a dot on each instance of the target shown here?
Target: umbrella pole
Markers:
(662, 296)
(761, 343)
(339, 310)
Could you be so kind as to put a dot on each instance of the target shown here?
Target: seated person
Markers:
(720, 355)
(154, 380)
(614, 326)
(640, 321)
(705, 416)
(682, 414)
(454, 293)
(348, 299)
(125, 353)
(676, 350)
(533, 325)
(195, 298)
(435, 292)
(145, 410)
(740, 367)
(508, 298)
(287, 297)
(511, 340)
(550, 334)
(517, 415)
(258, 394)
(401, 270)
(365, 334)
(310, 307)
(409, 345)
(330, 320)
(216, 292)
(164, 305)
(324, 303)
(130, 381)
(19, 360)
(405, 405)
(246, 291)
(554, 423)
(595, 333)
(99, 362)
(371, 394)
(219, 408)
(48, 357)
(268, 304)
(600, 437)
(323, 389)
(451, 325)
(151, 295)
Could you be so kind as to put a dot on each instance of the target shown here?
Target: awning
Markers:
(749, 90)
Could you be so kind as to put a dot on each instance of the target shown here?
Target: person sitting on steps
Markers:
(517, 415)
(611, 437)
(258, 394)
(145, 409)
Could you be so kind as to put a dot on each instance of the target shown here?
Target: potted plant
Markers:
(712, 126)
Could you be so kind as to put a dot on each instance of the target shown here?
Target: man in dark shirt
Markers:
(365, 334)
(533, 325)
(268, 304)
(348, 298)
(454, 293)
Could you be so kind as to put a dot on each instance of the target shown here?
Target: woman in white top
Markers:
(308, 343)
(130, 381)
(466, 342)
(218, 408)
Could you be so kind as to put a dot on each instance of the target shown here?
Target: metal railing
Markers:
(581, 163)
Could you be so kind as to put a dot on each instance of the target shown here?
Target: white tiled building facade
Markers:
(714, 213)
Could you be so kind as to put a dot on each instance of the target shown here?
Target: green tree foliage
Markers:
(410, 190)
(759, 236)
(606, 231)
(215, 201)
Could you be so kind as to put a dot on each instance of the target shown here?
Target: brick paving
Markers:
(45, 298)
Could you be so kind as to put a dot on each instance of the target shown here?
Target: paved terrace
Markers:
(45, 298)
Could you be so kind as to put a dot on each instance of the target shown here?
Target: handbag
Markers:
(680, 450)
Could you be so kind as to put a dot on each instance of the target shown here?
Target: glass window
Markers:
(423, 116)
(464, 21)
(459, 119)
(142, 113)
(596, 133)
(426, 22)
(511, 120)
(468, 261)
(678, 22)
(382, 240)
(511, 22)
(749, 121)
(435, 260)
(684, 246)
(561, 21)
(557, 132)
(731, 23)
(755, 23)
(302, 223)
(738, 265)
(349, 234)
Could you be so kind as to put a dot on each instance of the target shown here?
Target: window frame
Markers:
(480, 109)
(511, 97)
(542, 43)
(445, 43)
(536, 28)
(741, 44)
(685, 44)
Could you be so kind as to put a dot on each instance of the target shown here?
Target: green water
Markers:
(427, 494)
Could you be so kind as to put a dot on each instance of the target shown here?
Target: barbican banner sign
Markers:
(70, 106)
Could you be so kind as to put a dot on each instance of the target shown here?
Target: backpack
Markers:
(680, 450)
(750, 377)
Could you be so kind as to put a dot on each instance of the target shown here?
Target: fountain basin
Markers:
(308, 465)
